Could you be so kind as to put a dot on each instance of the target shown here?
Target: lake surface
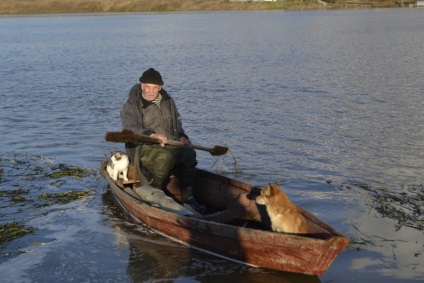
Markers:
(327, 103)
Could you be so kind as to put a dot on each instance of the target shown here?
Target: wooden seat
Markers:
(132, 178)
(130, 181)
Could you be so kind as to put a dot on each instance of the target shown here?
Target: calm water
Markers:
(328, 103)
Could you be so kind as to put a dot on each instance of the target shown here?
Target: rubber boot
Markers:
(186, 194)
(188, 198)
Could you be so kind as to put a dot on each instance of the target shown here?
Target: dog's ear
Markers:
(270, 190)
(267, 190)
(274, 188)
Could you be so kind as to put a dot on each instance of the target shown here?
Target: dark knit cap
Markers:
(151, 76)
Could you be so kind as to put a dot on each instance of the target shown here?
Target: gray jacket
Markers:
(144, 117)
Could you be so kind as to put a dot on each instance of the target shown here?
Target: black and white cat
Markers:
(118, 164)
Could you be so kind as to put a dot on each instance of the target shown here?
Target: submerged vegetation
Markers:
(62, 198)
(11, 231)
(404, 206)
(33, 185)
(59, 171)
(13, 193)
(113, 6)
(69, 171)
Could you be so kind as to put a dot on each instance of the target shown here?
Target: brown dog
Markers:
(285, 215)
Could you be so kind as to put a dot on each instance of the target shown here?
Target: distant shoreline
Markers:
(30, 7)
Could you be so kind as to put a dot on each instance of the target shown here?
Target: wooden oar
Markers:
(129, 136)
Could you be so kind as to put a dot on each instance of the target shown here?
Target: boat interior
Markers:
(224, 200)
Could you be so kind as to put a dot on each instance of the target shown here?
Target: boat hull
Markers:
(308, 254)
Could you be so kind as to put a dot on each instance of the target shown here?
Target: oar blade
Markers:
(218, 150)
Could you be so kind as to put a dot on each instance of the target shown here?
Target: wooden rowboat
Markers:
(234, 227)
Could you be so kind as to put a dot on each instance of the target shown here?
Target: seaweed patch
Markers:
(406, 206)
(63, 170)
(66, 197)
(34, 186)
(11, 231)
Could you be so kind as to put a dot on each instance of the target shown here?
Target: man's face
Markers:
(150, 91)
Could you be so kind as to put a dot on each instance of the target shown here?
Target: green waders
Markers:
(160, 161)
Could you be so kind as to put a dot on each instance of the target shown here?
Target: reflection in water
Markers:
(390, 252)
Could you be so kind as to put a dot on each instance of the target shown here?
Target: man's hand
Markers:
(163, 139)
(185, 141)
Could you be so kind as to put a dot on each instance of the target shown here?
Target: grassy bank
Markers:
(108, 6)
(8, 7)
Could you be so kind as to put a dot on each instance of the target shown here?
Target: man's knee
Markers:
(164, 162)
(188, 157)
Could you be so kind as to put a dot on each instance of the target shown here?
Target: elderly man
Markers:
(151, 111)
